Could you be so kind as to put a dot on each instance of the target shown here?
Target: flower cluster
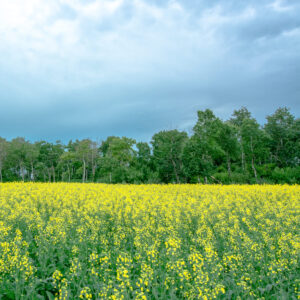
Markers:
(97, 241)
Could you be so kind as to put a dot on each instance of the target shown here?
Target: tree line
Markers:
(238, 150)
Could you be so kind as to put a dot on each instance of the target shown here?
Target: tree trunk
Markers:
(228, 166)
(252, 160)
(1, 179)
(32, 172)
(53, 173)
(93, 172)
(94, 162)
(243, 160)
(110, 177)
(214, 178)
(243, 155)
(253, 168)
(175, 171)
(49, 175)
(21, 171)
(83, 171)
(69, 173)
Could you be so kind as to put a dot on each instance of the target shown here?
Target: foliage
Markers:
(240, 147)
(167, 154)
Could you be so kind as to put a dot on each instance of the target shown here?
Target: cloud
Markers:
(99, 67)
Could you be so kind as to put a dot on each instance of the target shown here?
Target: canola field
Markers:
(97, 241)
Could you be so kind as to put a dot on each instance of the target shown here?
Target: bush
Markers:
(286, 175)
(234, 178)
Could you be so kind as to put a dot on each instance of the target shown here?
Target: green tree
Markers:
(83, 149)
(3, 155)
(294, 144)
(18, 156)
(32, 153)
(66, 163)
(234, 151)
(227, 140)
(117, 157)
(280, 128)
(237, 119)
(205, 145)
(48, 158)
(255, 143)
(197, 163)
(143, 163)
(167, 153)
(206, 130)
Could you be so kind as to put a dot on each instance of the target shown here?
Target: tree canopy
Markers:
(238, 150)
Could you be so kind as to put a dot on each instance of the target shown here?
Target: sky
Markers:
(95, 68)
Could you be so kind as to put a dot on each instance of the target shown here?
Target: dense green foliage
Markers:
(238, 150)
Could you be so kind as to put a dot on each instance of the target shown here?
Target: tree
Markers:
(206, 131)
(32, 153)
(66, 162)
(294, 143)
(254, 143)
(227, 139)
(234, 151)
(280, 129)
(83, 154)
(237, 119)
(167, 153)
(3, 154)
(206, 143)
(142, 163)
(239, 116)
(18, 155)
(94, 158)
(196, 161)
(117, 156)
(49, 155)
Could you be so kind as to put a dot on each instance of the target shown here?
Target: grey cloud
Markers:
(269, 25)
(139, 70)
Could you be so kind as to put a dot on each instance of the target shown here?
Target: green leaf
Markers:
(50, 296)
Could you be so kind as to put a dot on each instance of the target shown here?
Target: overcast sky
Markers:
(93, 68)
